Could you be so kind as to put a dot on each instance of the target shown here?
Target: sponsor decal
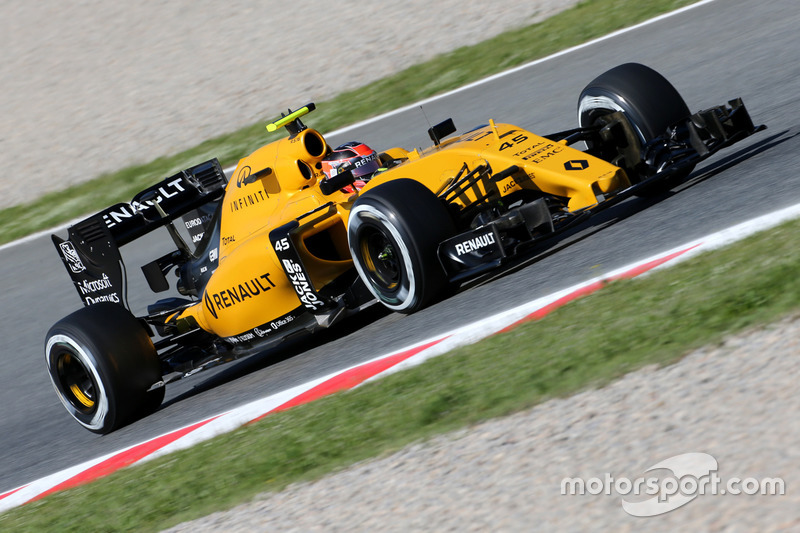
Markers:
(72, 258)
(197, 221)
(274, 326)
(264, 330)
(300, 282)
(241, 177)
(277, 324)
(261, 332)
(244, 337)
(366, 159)
(197, 226)
(245, 176)
(476, 243)
(246, 201)
(508, 186)
(173, 188)
(103, 298)
(213, 254)
(542, 154)
(576, 164)
(89, 287)
(530, 148)
(229, 297)
(228, 240)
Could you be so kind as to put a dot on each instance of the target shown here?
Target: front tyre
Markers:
(394, 233)
(650, 103)
(102, 362)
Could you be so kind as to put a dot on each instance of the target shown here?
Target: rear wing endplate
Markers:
(91, 251)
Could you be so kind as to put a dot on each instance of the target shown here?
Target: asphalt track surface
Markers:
(712, 53)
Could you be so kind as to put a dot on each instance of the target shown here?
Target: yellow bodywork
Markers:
(279, 183)
(545, 165)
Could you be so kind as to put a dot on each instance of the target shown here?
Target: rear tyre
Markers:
(102, 362)
(394, 233)
(649, 102)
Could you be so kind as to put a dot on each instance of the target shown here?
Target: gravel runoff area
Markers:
(92, 86)
(737, 402)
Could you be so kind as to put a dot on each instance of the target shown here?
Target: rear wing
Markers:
(91, 251)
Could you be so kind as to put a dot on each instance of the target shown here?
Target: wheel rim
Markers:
(381, 261)
(77, 383)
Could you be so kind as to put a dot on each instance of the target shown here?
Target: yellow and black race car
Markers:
(281, 248)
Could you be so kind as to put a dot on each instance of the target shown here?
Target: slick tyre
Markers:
(102, 362)
(649, 102)
(394, 233)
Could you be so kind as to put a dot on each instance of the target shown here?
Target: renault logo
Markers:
(576, 164)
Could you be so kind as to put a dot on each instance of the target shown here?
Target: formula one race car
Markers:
(282, 249)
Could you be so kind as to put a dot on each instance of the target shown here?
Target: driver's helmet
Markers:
(362, 160)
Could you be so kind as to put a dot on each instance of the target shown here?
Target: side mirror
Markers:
(339, 181)
(334, 183)
(441, 130)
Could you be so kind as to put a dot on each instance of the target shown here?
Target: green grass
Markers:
(587, 20)
(585, 344)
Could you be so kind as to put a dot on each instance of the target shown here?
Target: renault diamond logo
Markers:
(576, 164)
